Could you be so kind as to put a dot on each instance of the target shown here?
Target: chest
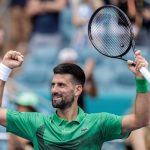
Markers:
(71, 136)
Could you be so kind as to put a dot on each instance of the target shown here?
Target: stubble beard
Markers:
(62, 104)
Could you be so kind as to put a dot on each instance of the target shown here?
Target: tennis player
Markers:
(70, 128)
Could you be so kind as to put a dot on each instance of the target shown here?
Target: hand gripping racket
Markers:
(110, 32)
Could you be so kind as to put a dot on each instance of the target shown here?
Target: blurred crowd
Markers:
(49, 32)
(27, 23)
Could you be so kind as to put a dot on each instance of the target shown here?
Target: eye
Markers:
(61, 84)
(52, 85)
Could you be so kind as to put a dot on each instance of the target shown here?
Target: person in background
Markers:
(138, 13)
(25, 102)
(44, 17)
(69, 55)
(20, 26)
(81, 12)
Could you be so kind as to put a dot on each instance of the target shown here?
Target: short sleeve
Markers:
(111, 127)
(23, 124)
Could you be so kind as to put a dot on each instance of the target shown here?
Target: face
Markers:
(64, 91)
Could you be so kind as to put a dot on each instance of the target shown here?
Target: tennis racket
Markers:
(110, 32)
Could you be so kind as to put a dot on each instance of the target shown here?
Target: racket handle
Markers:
(145, 73)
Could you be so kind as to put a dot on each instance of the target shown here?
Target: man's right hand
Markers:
(12, 59)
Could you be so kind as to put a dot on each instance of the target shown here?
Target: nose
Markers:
(54, 89)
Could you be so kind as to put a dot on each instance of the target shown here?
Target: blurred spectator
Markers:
(69, 55)
(144, 32)
(138, 13)
(25, 102)
(146, 14)
(20, 27)
(66, 26)
(44, 16)
(81, 13)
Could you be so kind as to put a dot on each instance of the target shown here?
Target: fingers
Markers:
(130, 62)
(20, 58)
(140, 61)
(15, 55)
(138, 52)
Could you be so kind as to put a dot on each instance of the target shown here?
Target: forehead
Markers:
(62, 78)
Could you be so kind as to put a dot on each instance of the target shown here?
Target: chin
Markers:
(55, 103)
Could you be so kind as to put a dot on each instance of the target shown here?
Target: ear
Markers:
(78, 90)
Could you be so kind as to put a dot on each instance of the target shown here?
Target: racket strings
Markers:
(110, 31)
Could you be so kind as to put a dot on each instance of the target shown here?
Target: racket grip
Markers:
(145, 73)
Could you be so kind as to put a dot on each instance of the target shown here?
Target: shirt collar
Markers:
(58, 120)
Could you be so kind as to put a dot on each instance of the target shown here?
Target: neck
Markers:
(68, 113)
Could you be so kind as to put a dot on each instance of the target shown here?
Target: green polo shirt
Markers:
(86, 132)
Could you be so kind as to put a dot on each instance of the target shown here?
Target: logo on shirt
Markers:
(84, 129)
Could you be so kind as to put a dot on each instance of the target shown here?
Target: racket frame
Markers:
(132, 42)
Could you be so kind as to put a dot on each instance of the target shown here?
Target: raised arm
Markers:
(12, 59)
(140, 116)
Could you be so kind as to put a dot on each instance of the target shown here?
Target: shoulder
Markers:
(12, 114)
(104, 117)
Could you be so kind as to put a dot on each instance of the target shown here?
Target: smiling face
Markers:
(64, 91)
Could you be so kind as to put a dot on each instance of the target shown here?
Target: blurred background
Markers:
(49, 32)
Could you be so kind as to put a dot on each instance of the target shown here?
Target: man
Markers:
(69, 55)
(44, 16)
(70, 128)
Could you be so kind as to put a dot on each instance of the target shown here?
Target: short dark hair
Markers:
(73, 69)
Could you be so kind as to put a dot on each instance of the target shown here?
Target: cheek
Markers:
(69, 93)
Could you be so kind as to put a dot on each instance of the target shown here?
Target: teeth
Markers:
(56, 97)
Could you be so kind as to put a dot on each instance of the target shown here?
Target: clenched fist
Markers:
(12, 59)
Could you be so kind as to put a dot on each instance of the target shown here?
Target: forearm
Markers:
(4, 74)
(2, 84)
(140, 116)
(142, 103)
(142, 109)
(2, 110)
